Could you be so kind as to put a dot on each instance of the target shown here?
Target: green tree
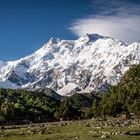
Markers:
(7, 109)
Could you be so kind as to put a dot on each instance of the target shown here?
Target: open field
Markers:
(74, 130)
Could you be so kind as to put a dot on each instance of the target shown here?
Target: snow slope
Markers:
(91, 63)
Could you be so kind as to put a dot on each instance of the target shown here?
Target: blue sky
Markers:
(25, 25)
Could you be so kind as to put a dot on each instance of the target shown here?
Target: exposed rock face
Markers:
(91, 63)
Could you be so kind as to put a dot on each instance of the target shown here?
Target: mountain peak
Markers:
(54, 40)
(91, 63)
(91, 37)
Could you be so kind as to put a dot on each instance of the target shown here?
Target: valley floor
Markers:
(114, 129)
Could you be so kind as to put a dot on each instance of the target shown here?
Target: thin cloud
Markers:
(122, 22)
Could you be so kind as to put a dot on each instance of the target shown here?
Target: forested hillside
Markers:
(19, 106)
(123, 98)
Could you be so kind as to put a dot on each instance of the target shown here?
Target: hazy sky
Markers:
(25, 25)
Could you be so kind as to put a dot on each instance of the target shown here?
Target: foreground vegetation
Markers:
(115, 129)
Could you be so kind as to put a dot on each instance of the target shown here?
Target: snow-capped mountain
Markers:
(91, 63)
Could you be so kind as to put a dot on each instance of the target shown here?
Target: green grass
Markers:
(77, 130)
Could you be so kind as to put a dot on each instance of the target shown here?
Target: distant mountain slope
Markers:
(47, 91)
(91, 63)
